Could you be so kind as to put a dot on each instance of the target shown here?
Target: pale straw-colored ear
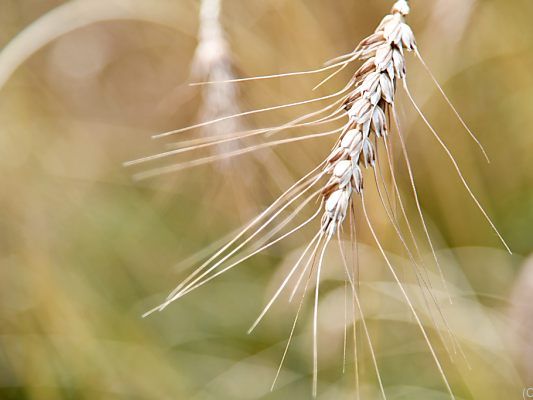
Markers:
(339, 183)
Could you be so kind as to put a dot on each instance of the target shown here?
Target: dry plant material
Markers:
(213, 61)
(367, 106)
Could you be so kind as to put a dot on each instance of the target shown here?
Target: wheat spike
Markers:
(366, 104)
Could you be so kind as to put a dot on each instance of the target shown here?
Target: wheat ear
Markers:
(366, 103)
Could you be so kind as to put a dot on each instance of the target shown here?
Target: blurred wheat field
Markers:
(85, 250)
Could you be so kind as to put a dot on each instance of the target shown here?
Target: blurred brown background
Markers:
(85, 250)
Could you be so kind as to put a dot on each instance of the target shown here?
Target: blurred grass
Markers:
(84, 251)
